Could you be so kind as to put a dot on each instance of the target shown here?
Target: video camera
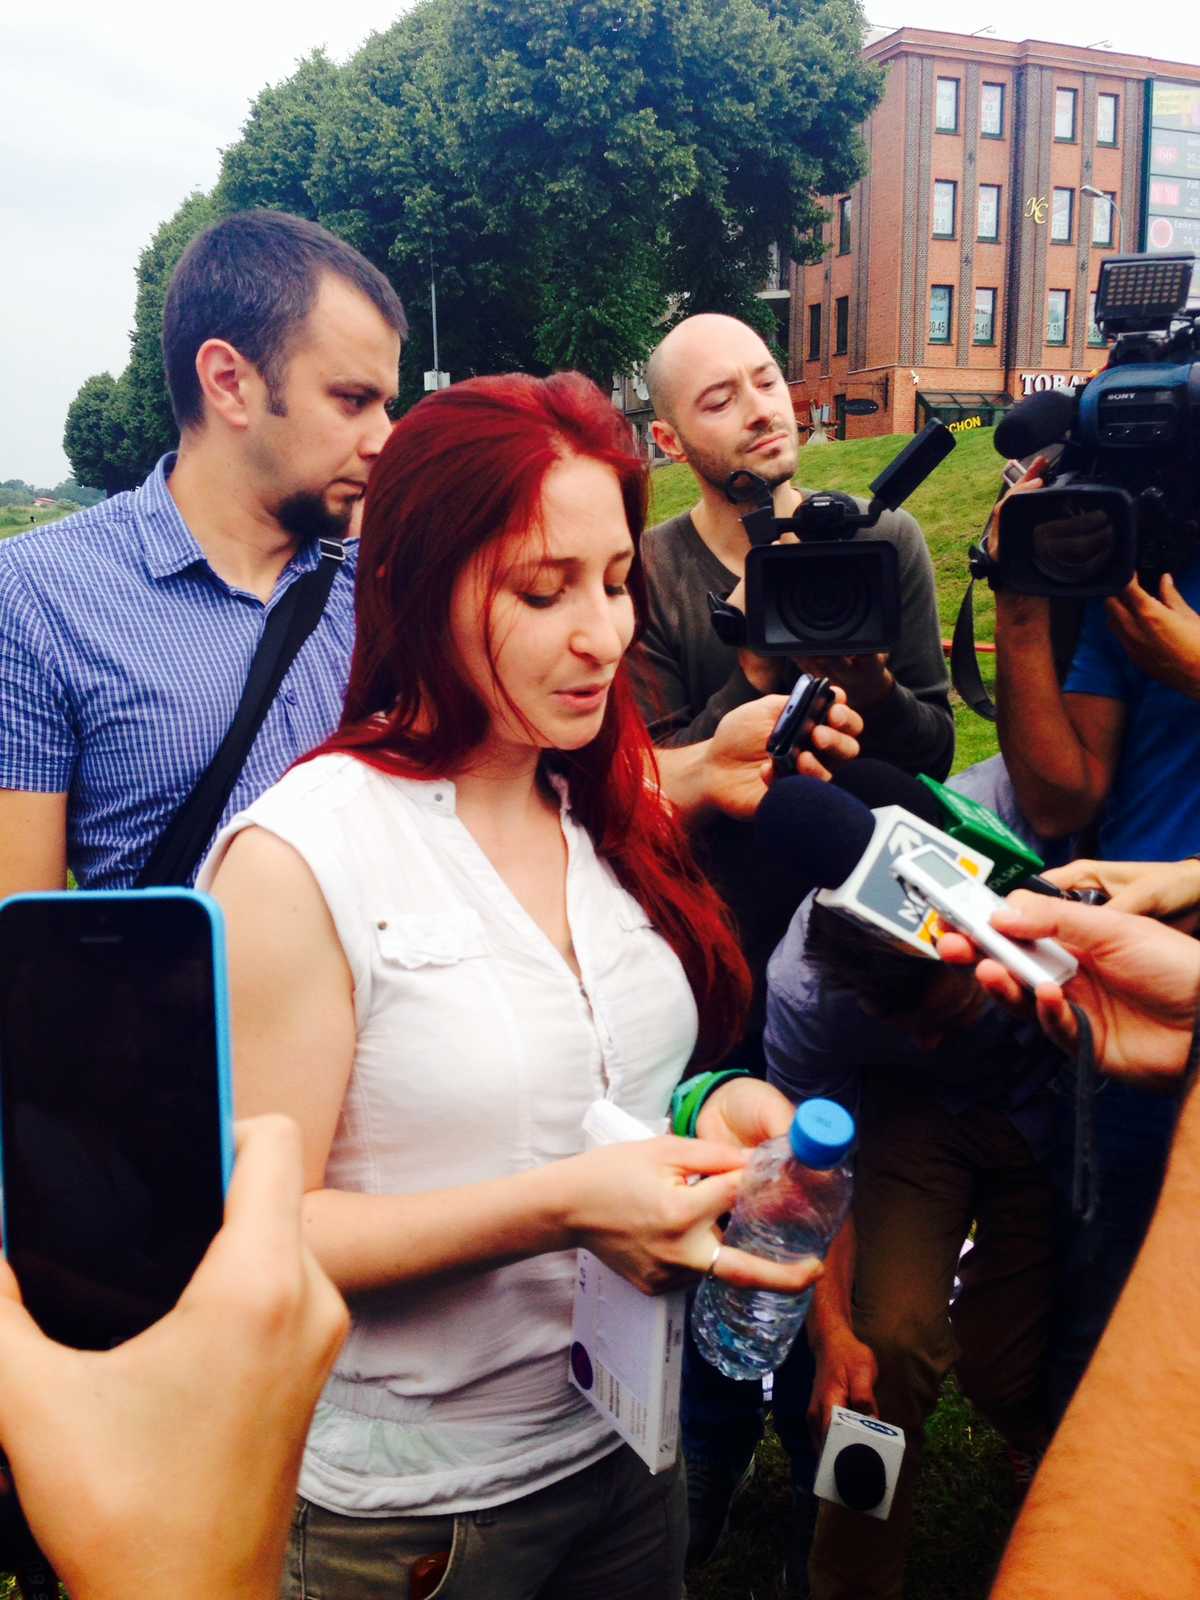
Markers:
(833, 593)
(1124, 494)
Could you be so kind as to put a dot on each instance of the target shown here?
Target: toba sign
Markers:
(1036, 382)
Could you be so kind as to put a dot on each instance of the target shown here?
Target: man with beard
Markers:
(722, 406)
(127, 631)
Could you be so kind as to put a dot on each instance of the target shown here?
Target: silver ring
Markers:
(712, 1265)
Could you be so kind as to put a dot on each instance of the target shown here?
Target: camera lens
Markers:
(1073, 547)
(826, 602)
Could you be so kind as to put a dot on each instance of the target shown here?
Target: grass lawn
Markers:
(964, 1503)
(19, 519)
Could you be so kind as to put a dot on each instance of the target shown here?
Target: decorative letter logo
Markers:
(1037, 208)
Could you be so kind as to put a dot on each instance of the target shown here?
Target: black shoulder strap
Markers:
(964, 662)
(180, 846)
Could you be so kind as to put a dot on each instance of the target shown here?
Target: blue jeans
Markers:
(722, 1417)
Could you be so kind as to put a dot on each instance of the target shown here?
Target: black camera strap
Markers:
(1085, 1172)
(181, 844)
(964, 660)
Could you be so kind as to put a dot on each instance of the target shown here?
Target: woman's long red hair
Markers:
(461, 469)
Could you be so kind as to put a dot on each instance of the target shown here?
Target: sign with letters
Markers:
(1039, 382)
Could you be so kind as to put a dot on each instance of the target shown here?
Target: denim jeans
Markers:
(609, 1532)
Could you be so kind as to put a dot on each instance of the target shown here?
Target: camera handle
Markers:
(828, 515)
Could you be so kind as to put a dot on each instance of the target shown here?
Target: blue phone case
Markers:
(220, 989)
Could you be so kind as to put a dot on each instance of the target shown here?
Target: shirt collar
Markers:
(168, 544)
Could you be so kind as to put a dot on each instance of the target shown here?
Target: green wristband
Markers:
(688, 1100)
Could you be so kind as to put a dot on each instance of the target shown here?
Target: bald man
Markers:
(722, 405)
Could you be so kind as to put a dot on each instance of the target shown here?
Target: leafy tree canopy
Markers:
(574, 175)
(116, 429)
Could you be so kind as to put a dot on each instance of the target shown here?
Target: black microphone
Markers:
(1042, 420)
(859, 1477)
(811, 833)
(815, 835)
(878, 783)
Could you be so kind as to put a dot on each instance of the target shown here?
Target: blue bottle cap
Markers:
(822, 1133)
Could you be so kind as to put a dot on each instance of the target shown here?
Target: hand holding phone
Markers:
(195, 1425)
(807, 707)
(115, 1103)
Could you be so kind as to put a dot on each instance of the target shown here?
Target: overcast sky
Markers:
(111, 114)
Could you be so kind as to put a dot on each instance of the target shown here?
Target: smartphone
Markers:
(116, 1141)
(967, 904)
(806, 708)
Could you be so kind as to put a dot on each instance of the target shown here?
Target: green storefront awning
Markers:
(963, 406)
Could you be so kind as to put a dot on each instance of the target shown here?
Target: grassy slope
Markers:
(951, 507)
(19, 519)
(964, 1502)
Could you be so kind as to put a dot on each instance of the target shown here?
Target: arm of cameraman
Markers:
(1061, 749)
(1121, 1521)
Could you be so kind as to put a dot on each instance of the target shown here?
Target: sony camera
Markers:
(833, 593)
(1124, 493)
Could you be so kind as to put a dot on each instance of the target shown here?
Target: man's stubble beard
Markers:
(716, 471)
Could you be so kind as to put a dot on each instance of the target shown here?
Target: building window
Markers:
(941, 302)
(985, 316)
(991, 110)
(989, 211)
(1064, 115)
(945, 201)
(946, 117)
(776, 270)
(843, 221)
(1107, 106)
(1102, 218)
(1058, 303)
(814, 333)
(841, 325)
(1062, 216)
(1094, 335)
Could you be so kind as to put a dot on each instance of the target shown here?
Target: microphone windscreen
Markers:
(878, 783)
(811, 835)
(1033, 424)
(860, 1477)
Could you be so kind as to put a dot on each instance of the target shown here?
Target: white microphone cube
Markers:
(860, 1463)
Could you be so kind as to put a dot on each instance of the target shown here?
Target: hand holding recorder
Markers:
(1138, 982)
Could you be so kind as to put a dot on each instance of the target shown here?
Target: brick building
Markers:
(960, 272)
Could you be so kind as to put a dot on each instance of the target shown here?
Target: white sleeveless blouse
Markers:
(478, 1053)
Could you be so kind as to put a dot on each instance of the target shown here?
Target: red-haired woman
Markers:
(463, 920)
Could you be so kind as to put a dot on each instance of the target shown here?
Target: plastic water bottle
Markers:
(794, 1196)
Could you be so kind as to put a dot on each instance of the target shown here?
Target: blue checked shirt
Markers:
(122, 660)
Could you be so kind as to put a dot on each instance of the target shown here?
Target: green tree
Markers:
(76, 493)
(572, 174)
(116, 429)
(95, 439)
(150, 427)
(272, 162)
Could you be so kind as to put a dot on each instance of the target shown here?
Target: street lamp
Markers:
(1099, 194)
